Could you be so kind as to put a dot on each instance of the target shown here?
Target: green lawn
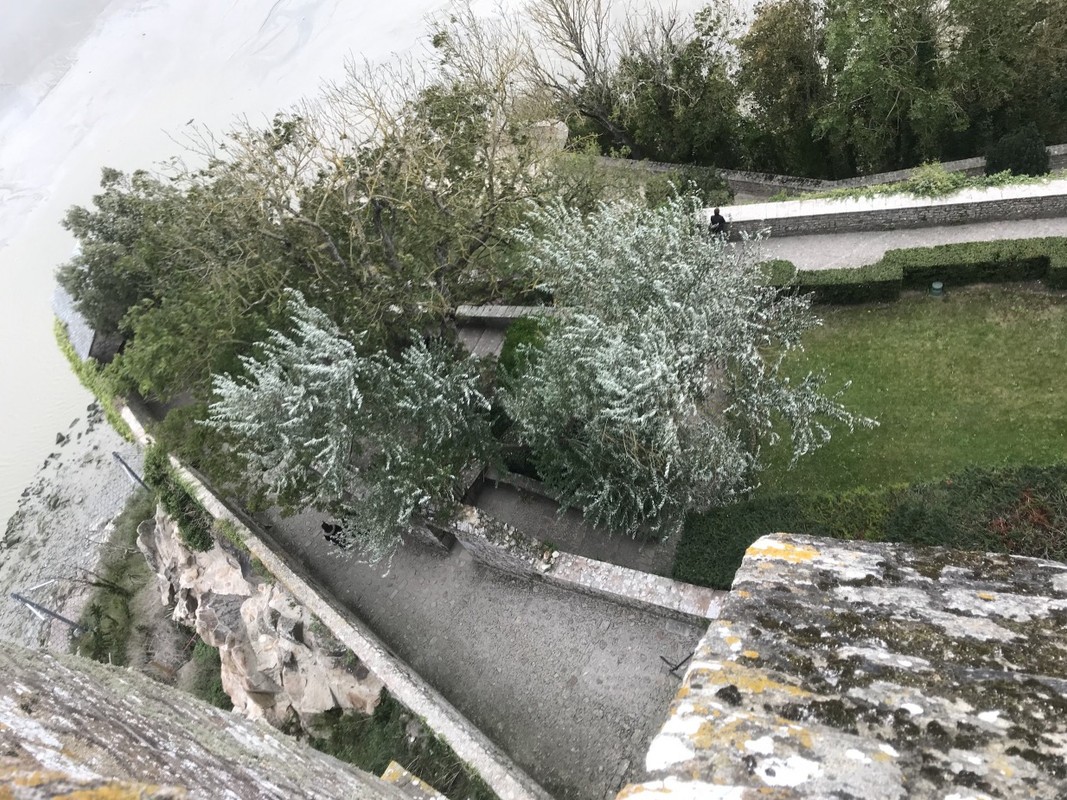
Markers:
(978, 378)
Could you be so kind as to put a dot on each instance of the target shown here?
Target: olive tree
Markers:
(661, 377)
(374, 440)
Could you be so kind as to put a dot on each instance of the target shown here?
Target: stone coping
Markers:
(622, 585)
(494, 766)
(639, 589)
(789, 209)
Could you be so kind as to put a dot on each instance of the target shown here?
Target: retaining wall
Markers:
(765, 184)
(494, 766)
(502, 547)
(890, 212)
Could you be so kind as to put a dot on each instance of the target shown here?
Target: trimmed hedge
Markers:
(971, 262)
(918, 267)
(1015, 510)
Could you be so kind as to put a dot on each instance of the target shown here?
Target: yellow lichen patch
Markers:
(802, 735)
(749, 680)
(750, 654)
(743, 593)
(732, 640)
(782, 551)
(987, 596)
(114, 791)
(635, 789)
(716, 736)
(682, 693)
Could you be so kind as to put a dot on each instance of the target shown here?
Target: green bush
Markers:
(868, 284)
(194, 523)
(932, 180)
(1021, 152)
(1014, 510)
(371, 742)
(96, 378)
(207, 682)
(522, 333)
(872, 283)
(108, 617)
(704, 182)
(971, 262)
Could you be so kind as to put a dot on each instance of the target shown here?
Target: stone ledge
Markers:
(502, 547)
(873, 671)
(642, 590)
(500, 316)
(889, 212)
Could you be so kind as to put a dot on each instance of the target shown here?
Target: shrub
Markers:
(932, 180)
(917, 267)
(371, 742)
(96, 378)
(1014, 510)
(867, 284)
(1021, 152)
(971, 262)
(522, 333)
(194, 523)
(207, 682)
(871, 283)
(703, 182)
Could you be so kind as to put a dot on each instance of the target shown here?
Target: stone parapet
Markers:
(765, 184)
(873, 671)
(889, 212)
(494, 766)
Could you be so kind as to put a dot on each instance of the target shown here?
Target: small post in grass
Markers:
(937, 289)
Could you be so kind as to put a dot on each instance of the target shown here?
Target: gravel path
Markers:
(570, 686)
(835, 250)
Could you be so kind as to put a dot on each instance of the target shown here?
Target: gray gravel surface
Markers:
(570, 686)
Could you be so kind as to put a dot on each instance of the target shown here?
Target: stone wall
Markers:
(70, 727)
(862, 670)
(277, 660)
(765, 184)
(494, 766)
(502, 547)
(890, 213)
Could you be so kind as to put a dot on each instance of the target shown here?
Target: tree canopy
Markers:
(660, 378)
(828, 89)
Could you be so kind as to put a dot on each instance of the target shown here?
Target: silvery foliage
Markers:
(371, 439)
(660, 377)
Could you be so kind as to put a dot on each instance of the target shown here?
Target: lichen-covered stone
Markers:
(858, 670)
(74, 728)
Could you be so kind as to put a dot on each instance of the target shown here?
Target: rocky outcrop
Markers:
(278, 662)
(861, 670)
(70, 727)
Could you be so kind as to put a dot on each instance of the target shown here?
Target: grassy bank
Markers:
(1015, 510)
(123, 572)
(393, 733)
(978, 378)
(972, 387)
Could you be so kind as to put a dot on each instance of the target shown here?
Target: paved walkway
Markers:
(834, 250)
(570, 686)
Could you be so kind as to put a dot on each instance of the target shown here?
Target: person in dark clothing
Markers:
(332, 533)
(717, 223)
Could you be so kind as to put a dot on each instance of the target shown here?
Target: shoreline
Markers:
(61, 528)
